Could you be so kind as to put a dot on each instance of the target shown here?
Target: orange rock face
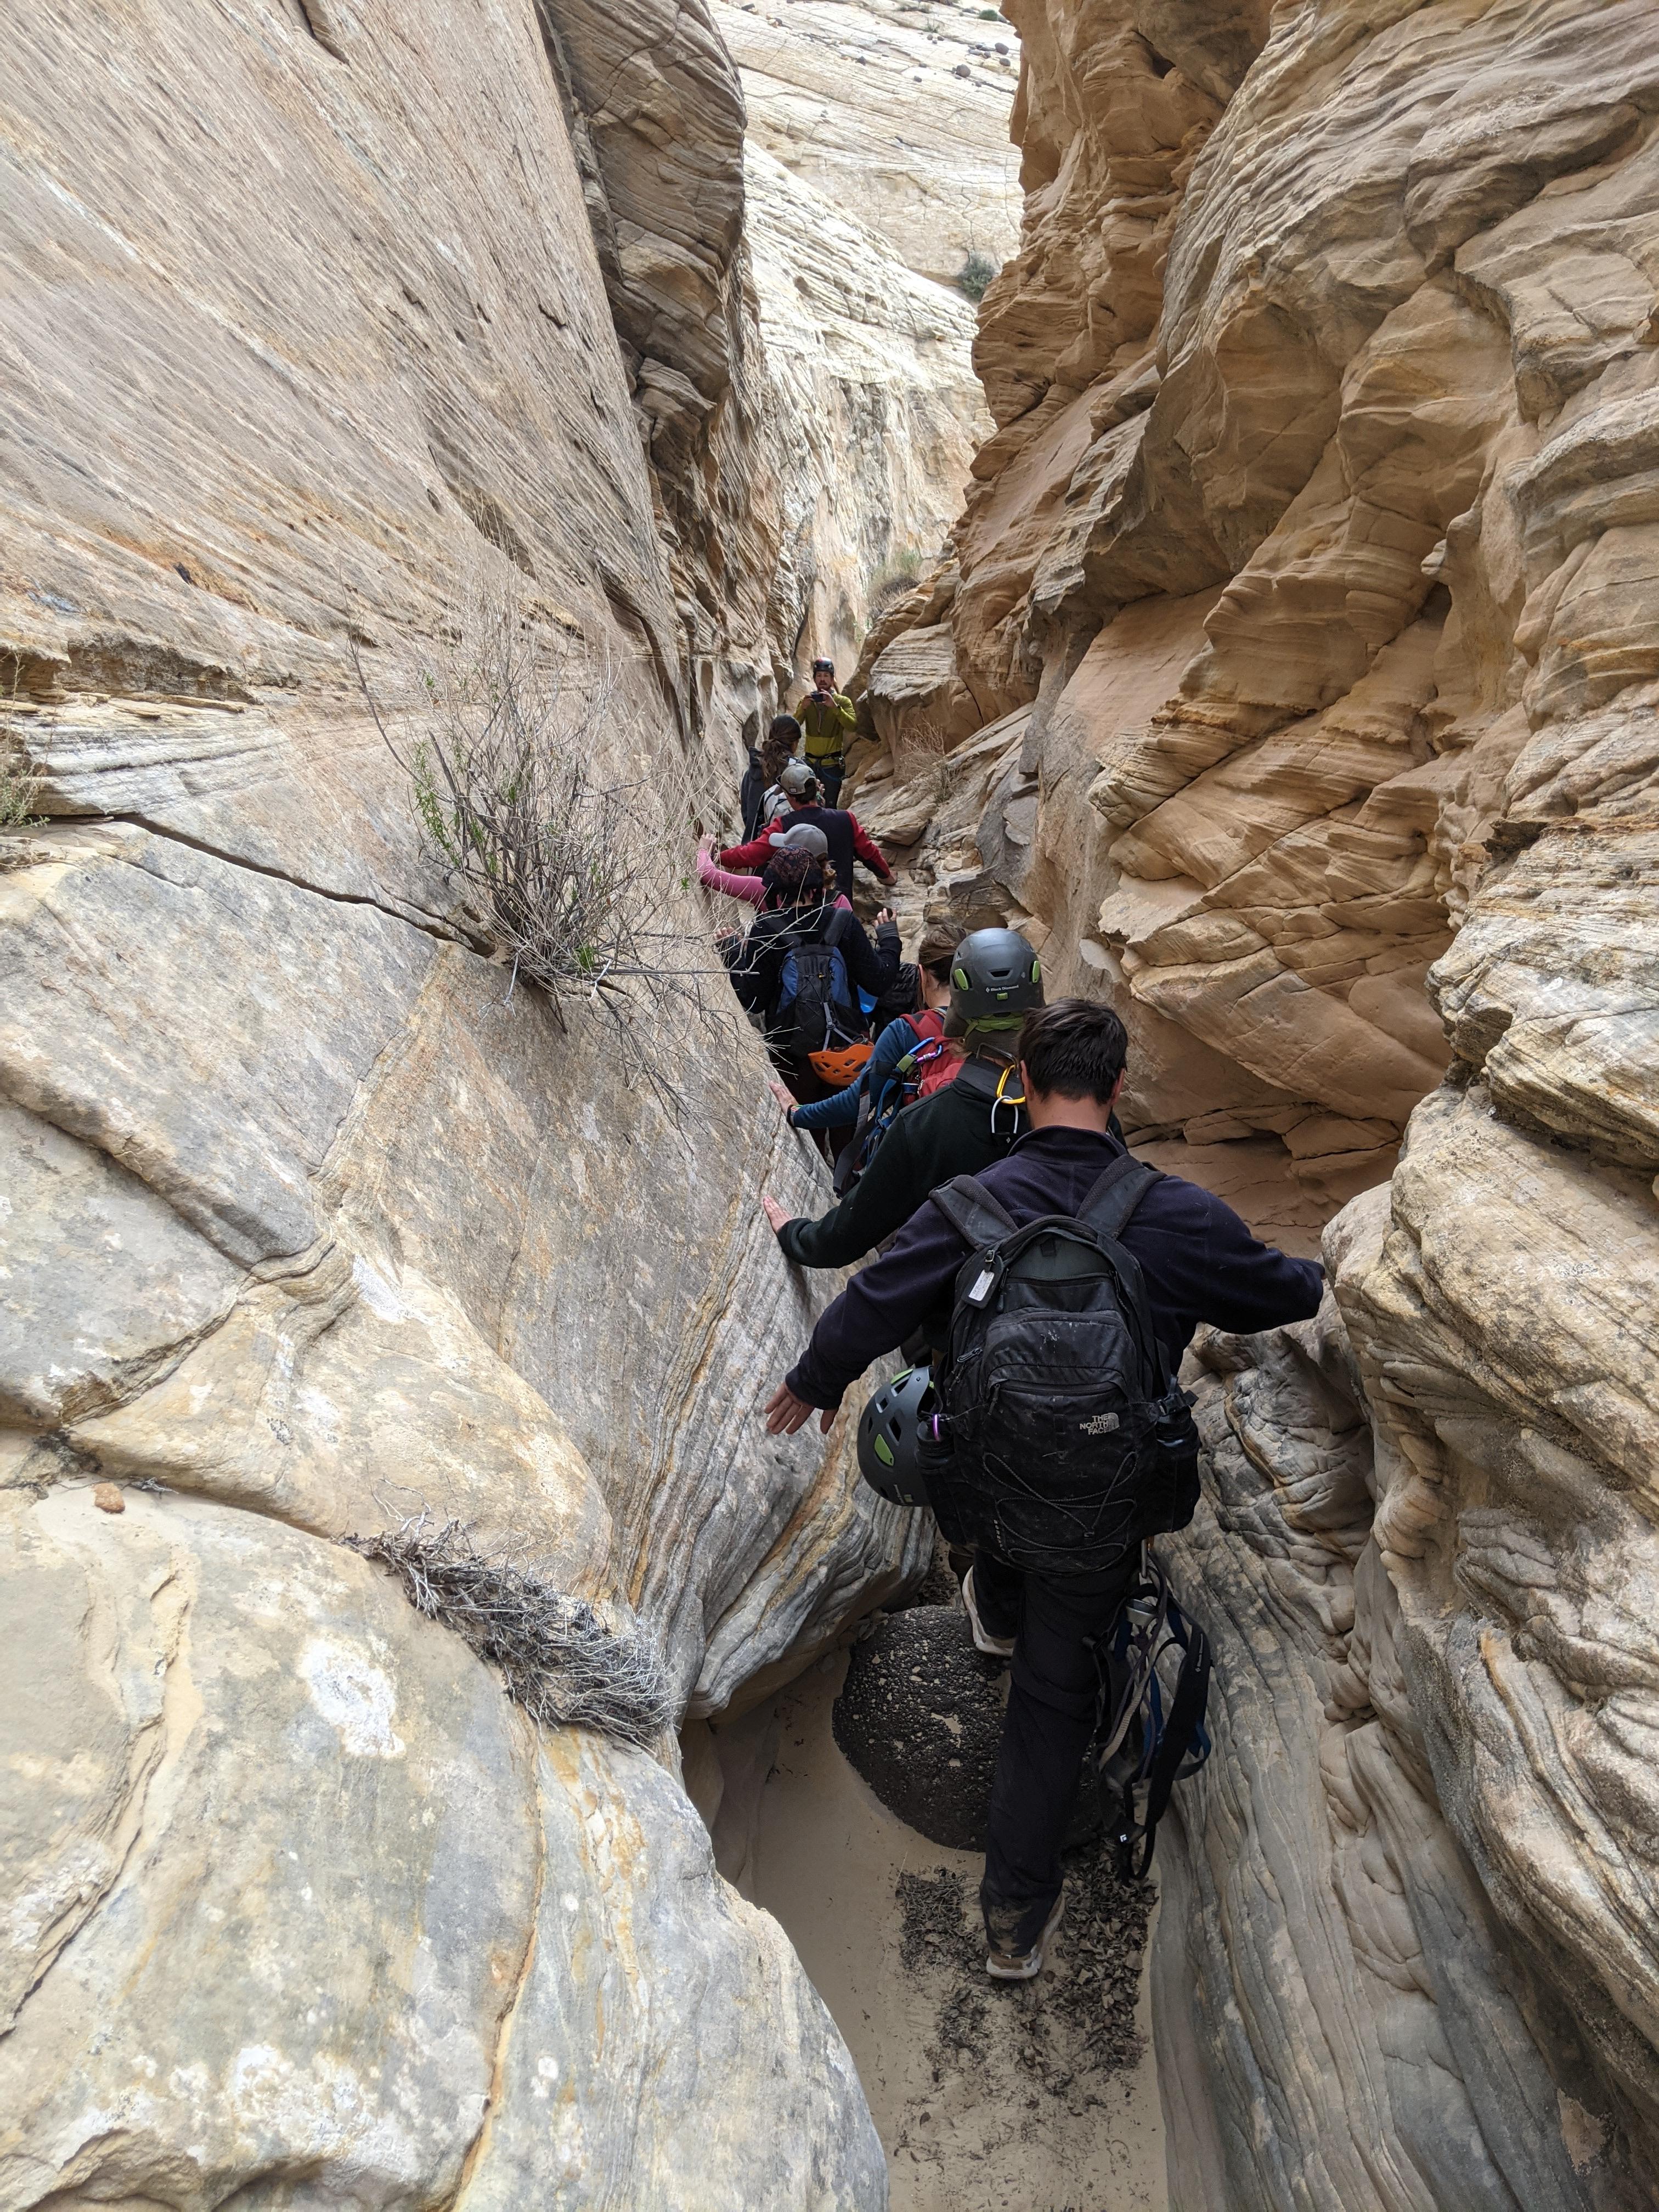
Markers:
(1264, 536)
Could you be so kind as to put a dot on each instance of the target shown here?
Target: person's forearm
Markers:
(874, 965)
(870, 853)
(879, 1308)
(877, 1203)
(749, 889)
(837, 1112)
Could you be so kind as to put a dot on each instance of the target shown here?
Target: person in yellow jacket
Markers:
(826, 715)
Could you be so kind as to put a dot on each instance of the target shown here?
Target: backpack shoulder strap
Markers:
(977, 1077)
(1114, 1195)
(977, 1214)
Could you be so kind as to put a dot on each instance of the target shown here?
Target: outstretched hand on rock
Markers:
(786, 1413)
(783, 1097)
(775, 1215)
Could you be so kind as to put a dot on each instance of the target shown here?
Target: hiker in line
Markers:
(995, 982)
(912, 1058)
(800, 971)
(826, 715)
(761, 797)
(848, 841)
(1199, 1263)
(752, 890)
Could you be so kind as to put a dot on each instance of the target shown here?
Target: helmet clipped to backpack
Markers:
(889, 1438)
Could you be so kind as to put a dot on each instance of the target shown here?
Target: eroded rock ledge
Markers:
(310, 1224)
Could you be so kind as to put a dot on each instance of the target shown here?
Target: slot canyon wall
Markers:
(315, 309)
(1298, 647)
(876, 160)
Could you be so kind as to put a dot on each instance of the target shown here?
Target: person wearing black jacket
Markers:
(807, 896)
(766, 764)
(1200, 1264)
(994, 982)
(960, 1130)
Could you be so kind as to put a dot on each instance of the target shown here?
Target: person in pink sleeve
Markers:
(804, 836)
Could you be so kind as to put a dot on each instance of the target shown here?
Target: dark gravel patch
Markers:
(920, 1717)
(1067, 2033)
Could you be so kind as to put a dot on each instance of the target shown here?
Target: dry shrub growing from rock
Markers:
(922, 754)
(566, 1666)
(19, 787)
(571, 878)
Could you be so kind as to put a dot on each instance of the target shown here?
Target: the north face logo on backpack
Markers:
(1101, 1425)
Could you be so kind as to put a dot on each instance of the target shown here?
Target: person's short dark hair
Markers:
(794, 876)
(1073, 1048)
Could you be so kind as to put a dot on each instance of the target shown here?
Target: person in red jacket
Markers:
(847, 841)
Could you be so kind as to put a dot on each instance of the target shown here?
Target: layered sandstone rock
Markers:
(878, 170)
(1305, 597)
(873, 412)
(312, 1224)
(896, 115)
(1327, 1940)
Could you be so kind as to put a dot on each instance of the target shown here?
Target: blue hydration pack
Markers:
(816, 1008)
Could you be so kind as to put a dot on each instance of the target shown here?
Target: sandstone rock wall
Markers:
(877, 163)
(897, 115)
(310, 1226)
(873, 410)
(1305, 599)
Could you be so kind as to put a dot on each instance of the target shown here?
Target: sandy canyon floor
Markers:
(983, 2127)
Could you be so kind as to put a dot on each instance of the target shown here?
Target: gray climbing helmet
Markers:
(995, 979)
(889, 1436)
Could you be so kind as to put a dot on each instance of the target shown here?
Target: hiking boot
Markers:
(1018, 1940)
(994, 1647)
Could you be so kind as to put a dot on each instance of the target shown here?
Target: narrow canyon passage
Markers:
(452, 1740)
(1039, 2099)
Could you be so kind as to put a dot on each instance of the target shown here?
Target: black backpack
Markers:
(1065, 1439)
(816, 1008)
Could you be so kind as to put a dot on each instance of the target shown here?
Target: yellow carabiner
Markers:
(1002, 1099)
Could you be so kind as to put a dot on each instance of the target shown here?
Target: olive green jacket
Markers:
(826, 727)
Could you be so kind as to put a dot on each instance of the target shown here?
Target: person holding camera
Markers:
(826, 715)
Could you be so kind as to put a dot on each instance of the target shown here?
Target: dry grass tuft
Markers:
(19, 786)
(560, 1661)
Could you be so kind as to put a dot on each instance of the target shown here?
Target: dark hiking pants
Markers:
(1052, 1701)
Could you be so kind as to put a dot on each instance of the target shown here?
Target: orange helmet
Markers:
(842, 1066)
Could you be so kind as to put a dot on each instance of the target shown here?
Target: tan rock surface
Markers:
(873, 409)
(496, 1964)
(897, 115)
